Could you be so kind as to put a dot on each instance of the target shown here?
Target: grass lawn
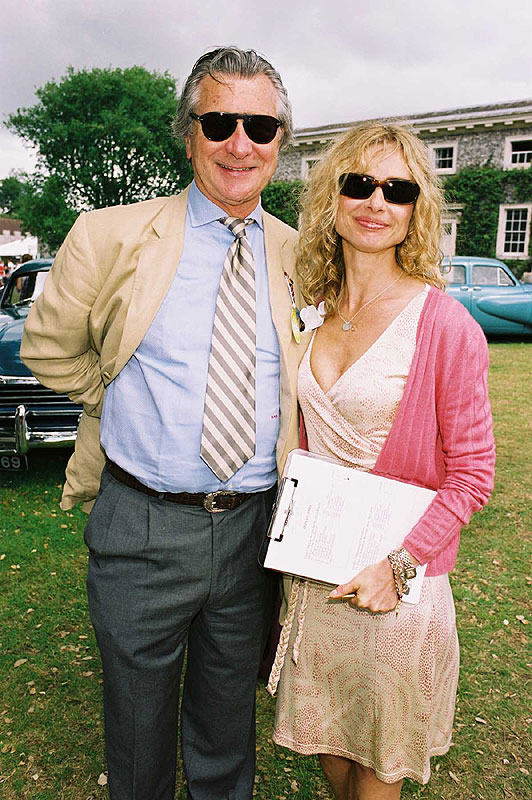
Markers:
(51, 733)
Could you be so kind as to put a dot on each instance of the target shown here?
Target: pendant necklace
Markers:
(347, 326)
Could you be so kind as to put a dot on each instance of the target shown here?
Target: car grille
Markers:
(46, 411)
(31, 394)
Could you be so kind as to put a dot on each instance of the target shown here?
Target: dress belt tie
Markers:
(286, 630)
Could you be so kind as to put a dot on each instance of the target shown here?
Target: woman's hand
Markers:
(373, 587)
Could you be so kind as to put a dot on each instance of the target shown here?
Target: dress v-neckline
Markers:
(357, 360)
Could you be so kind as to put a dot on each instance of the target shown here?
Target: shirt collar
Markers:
(202, 211)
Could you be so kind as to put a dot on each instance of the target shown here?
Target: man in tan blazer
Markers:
(124, 326)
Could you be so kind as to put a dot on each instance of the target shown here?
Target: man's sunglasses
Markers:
(219, 126)
(395, 190)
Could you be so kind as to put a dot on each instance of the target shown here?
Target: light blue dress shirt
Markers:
(153, 410)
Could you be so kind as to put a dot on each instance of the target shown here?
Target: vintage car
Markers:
(500, 303)
(30, 414)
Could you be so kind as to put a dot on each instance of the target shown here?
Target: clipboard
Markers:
(329, 521)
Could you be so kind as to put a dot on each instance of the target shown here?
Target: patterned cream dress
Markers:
(374, 688)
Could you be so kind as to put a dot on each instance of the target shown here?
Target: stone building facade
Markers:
(496, 135)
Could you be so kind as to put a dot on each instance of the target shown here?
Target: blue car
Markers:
(500, 303)
(30, 414)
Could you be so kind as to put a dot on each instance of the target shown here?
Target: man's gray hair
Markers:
(240, 64)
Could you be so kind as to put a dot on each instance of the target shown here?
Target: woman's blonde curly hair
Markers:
(320, 260)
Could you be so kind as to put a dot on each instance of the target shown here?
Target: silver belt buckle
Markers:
(209, 503)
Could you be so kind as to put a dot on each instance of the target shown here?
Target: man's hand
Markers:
(373, 588)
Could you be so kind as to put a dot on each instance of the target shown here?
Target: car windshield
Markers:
(24, 289)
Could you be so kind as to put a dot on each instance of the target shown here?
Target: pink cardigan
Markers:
(442, 436)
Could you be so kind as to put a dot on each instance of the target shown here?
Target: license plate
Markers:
(13, 462)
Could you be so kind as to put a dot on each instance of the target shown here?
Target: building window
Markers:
(522, 152)
(517, 152)
(515, 230)
(306, 165)
(444, 157)
(513, 235)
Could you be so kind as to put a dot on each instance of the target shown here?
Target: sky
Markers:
(340, 60)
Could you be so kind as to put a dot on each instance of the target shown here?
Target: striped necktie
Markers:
(228, 435)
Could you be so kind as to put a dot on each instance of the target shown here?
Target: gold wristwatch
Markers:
(410, 568)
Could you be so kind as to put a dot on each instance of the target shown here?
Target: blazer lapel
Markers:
(157, 263)
(280, 259)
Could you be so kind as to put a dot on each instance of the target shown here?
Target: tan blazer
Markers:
(106, 285)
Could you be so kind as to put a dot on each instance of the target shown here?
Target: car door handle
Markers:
(477, 288)
(464, 288)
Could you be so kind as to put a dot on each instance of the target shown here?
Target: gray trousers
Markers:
(162, 577)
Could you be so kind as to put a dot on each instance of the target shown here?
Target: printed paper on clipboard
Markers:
(330, 521)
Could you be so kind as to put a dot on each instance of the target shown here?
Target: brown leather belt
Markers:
(211, 501)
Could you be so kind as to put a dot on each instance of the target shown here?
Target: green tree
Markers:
(39, 202)
(13, 190)
(104, 137)
(45, 212)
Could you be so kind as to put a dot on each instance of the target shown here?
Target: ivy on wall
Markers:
(519, 183)
(481, 190)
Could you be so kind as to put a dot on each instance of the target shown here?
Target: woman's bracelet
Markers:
(407, 569)
(399, 577)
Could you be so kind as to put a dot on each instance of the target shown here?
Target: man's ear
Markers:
(188, 147)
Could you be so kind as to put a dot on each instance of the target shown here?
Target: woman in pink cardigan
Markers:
(395, 382)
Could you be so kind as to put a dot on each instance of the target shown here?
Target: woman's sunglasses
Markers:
(219, 126)
(395, 190)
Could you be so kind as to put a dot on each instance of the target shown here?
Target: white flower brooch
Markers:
(308, 318)
(312, 317)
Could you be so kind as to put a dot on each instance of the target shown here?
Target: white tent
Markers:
(19, 247)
